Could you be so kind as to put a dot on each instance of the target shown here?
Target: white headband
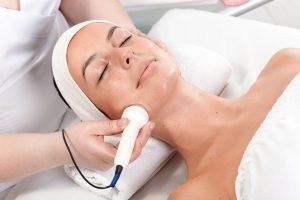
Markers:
(77, 100)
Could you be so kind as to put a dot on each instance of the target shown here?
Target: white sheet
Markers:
(134, 176)
(270, 165)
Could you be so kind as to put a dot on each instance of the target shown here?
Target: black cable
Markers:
(117, 175)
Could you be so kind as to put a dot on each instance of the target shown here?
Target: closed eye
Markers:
(126, 40)
(103, 72)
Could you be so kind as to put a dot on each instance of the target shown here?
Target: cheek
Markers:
(115, 97)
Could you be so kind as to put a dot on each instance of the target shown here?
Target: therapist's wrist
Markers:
(58, 153)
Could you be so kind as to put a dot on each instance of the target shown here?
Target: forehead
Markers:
(88, 37)
(87, 41)
(91, 32)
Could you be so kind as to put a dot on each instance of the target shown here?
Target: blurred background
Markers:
(280, 12)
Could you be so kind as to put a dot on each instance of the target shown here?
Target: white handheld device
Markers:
(138, 117)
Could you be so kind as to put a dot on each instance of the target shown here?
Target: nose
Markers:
(127, 57)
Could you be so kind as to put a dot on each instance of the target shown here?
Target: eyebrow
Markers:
(87, 63)
(111, 32)
(93, 56)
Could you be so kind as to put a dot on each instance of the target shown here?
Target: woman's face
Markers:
(116, 69)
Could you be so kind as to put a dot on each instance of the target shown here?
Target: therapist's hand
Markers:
(156, 41)
(86, 140)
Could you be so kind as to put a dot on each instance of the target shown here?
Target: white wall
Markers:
(280, 12)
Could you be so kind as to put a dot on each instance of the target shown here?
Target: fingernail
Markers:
(122, 122)
(152, 126)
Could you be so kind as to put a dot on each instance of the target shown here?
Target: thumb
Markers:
(111, 127)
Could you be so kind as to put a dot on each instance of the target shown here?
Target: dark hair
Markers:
(59, 93)
(61, 96)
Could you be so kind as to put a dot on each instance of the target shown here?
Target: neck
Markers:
(193, 120)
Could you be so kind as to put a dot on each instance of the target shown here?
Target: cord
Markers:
(114, 181)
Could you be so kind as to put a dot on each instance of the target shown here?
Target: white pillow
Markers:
(204, 68)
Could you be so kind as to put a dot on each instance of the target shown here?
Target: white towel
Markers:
(270, 165)
(154, 155)
(133, 177)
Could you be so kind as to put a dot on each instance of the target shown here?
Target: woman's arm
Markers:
(77, 11)
(26, 154)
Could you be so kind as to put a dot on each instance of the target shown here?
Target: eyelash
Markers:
(126, 40)
(101, 75)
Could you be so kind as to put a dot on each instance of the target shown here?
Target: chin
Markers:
(159, 90)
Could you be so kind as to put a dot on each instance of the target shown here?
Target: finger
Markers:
(105, 167)
(142, 139)
(145, 133)
(159, 43)
(117, 145)
(156, 41)
(108, 152)
(135, 31)
(110, 127)
(136, 151)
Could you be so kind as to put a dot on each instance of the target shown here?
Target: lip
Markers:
(144, 71)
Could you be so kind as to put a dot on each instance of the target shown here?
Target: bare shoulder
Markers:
(187, 191)
(287, 60)
(198, 189)
(279, 71)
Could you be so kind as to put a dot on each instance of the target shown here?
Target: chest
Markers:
(226, 170)
(219, 177)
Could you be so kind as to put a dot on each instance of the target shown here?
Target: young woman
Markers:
(115, 68)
